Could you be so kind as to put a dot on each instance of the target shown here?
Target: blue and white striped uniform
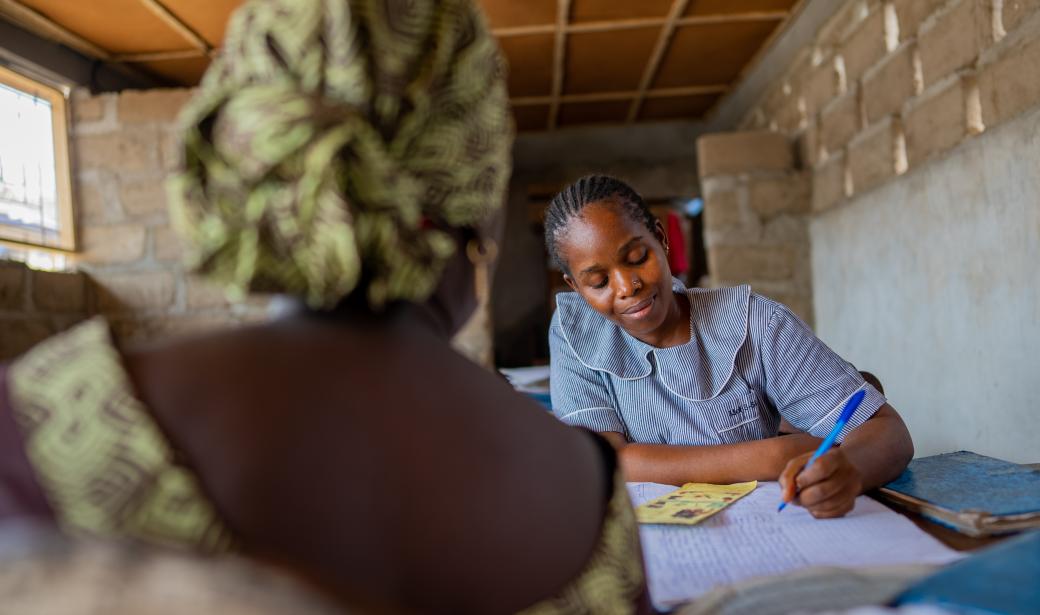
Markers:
(749, 361)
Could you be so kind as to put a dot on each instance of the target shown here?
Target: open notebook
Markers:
(750, 539)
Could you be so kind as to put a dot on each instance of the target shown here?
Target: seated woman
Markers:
(345, 153)
(691, 384)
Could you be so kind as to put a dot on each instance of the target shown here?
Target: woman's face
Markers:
(619, 267)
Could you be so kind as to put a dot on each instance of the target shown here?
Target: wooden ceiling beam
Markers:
(588, 26)
(161, 56)
(691, 90)
(688, 90)
(642, 22)
(41, 25)
(507, 31)
(178, 25)
(703, 20)
(563, 13)
(527, 101)
(664, 38)
(616, 25)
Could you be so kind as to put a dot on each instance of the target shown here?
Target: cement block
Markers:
(151, 106)
(809, 146)
(107, 245)
(745, 263)
(865, 46)
(872, 156)
(166, 244)
(127, 150)
(743, 152)
(821, 86)
(912, 13)
(782, 109)
(202, 294)
(136, 291)
(828, 183)
(935, 121)
(954, 39)
(722, 209)
(1005, 90)
(91, 205)
(842, 24)
(786, 229)
(840, 121)
(171, 149)
(144, 198)
(889, 84)
(1016, 12)
(773, 196)
(86, 109)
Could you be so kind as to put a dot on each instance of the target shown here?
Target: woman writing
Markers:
(691, 384)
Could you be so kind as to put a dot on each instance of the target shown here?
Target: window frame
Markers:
(21, 238)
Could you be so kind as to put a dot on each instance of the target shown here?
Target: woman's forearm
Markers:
(880, 448)
(721, 464)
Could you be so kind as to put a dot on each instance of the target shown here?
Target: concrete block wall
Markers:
(36, 304)
(917, 124)
(755, 216)
(124, 146)
(128, 268)
(887, 86)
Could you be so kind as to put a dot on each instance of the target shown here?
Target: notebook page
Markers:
(750, 539)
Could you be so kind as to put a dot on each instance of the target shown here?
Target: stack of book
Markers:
(971, 493)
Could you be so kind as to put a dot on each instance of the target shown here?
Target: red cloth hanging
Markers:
(676, 245)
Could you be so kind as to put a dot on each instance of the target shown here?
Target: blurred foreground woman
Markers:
(344, 153)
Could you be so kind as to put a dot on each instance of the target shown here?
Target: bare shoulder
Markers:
(515, 480)
(383, 442)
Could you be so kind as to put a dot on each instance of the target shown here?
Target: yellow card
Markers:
(692, 503)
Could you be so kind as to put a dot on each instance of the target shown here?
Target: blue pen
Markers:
(828, 442)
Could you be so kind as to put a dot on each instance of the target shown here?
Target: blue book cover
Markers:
(972, 493)
(999, 579)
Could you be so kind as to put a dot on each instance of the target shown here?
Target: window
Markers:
(35, 193)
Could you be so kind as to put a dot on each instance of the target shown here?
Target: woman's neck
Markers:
(675, 330)
(357, 312)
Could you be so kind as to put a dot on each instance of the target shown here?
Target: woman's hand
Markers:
(826, 489)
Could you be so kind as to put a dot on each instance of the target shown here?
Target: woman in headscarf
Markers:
(344, 153)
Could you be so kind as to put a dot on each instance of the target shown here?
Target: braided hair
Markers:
(570, 202)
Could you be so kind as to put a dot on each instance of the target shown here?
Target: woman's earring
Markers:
(481, 253)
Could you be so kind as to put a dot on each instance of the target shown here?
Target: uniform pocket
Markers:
(736, 415)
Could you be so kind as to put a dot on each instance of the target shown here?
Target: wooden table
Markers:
(951, 538)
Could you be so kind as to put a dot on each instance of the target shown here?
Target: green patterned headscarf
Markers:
(331, 138)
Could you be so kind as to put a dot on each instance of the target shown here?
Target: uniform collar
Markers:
(697, 370)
